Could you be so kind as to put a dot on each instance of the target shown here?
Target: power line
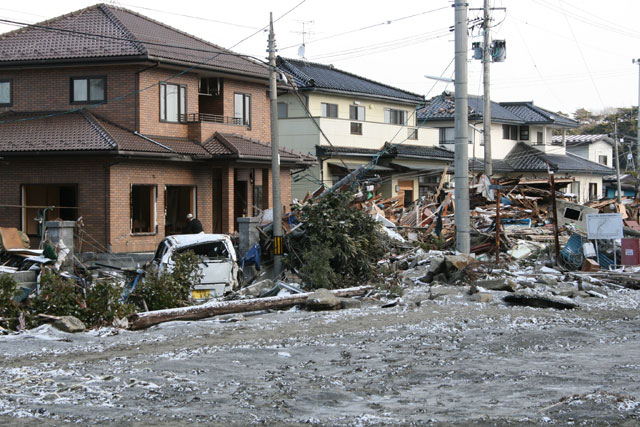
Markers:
(368, 27)
(74, 110)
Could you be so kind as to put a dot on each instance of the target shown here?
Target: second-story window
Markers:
(173, 102)
(242, 109)
(283, 110)
(510, 132)
(88, 89)
(329, 110)
(395, 117)
(5, 93)
(524, 133)
(356, 112)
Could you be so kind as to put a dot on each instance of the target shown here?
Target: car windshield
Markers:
(208, 249)
(162, 249)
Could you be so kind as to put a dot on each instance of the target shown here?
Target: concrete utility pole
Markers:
(615, 144)
(461, 120)
(275, 154)
(486, 115)
(637, 61)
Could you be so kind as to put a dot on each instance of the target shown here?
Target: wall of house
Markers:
(127, 173)
(375, 132)
(581, 150)
(87, 173)
(150, 123)
(50, 90)
(601, 148)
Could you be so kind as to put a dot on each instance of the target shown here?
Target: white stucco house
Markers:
(348, 121)
(522, 144)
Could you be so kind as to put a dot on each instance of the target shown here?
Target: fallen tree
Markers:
(144, 320)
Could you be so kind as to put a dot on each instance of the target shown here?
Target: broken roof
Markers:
(314, 76)
(83, 132)
(524, 158)
(399, 151)
(442, 108)
(103, 33)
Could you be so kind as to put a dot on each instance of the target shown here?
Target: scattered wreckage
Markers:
(514, 223)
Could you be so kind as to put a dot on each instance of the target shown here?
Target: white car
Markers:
(220, 270)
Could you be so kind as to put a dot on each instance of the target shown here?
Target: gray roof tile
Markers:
(310, 75)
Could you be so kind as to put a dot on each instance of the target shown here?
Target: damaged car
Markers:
(218, 262)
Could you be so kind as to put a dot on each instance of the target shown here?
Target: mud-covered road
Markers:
(446, 360)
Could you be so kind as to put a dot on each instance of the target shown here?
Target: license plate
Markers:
(200, 293)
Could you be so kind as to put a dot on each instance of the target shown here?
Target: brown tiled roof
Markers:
(105, 31)
(81, 131)
(29, 132)
(236, 146)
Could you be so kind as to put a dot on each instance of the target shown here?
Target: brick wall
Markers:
(157, 173)
(50, 90)
(87, 173)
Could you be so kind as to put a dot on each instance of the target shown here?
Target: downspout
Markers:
(137, 89)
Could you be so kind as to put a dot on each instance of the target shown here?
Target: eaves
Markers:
(413, 102)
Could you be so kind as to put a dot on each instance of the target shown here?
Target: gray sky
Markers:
(561, 54)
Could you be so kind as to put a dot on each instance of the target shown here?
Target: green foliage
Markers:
(340, 245)
(104, 304)
(161, 289)
(58, 297)
(9, 308)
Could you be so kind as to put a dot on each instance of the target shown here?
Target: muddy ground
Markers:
(444, 360)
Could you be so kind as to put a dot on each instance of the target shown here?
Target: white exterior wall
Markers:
(601, 148)
(298, 132)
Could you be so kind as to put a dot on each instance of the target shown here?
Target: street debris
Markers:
(522, 254)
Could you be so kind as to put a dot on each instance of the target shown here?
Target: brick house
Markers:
(130, 124)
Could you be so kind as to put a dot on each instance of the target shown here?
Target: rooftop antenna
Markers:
(304, 32)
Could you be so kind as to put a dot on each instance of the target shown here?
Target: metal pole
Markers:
(275, 154)
(486, 114)
(555, 215)
(461, 180)
(615, 144)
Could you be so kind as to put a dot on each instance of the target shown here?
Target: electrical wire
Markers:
(368, 27)
(74, 110)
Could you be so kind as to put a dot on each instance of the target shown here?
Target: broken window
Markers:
(143, 208)
(242, 109)
(88, 89)
(36, 197)
(173, 102)
(6, 98)
(179, 200)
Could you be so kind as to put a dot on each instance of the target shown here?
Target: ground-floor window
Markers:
(179, 200)
(143, 208)
(59, 200)
(593, 191)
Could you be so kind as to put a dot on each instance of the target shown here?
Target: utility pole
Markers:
(637, 61)
(461, 120)
(486, 115)
(278, 249)
(615, 144)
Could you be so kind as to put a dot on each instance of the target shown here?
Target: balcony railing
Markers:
(211, 118)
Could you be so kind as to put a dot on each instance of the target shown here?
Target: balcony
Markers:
(210, 118)
(202, 125)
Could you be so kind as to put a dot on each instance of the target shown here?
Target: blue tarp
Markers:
(252, 257)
